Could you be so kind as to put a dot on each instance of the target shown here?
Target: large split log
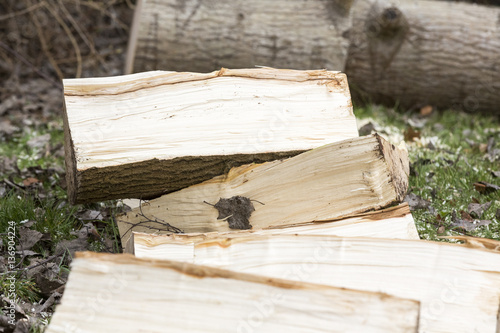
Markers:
(416, 53)
(147, 134)
(334, 181)
(393, 222)
(200, 35)
(413, 53)
(458, 286)
(120, 293)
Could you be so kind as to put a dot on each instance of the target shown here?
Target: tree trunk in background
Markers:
(426, 52)
(205, 35)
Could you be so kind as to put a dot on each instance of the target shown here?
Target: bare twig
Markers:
(82, 35)
(50, 301)
(71, 38)
(22, 12)
(29, 64)
(38, 264)
(130, 4)
(165, 226)
(99, 6)
(30, 267)
(44, 45)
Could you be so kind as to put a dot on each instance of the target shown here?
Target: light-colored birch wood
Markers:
(148, 134)
(477, 242)
(393, 222)
(334, 181)
(204, 35)
(458, 286)
(120, 293)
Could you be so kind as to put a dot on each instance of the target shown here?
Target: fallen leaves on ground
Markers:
(426, 110)
(469, 225)
(415, 202)
(476, 210)
(411, 134)
(485, 188)
(466, 222)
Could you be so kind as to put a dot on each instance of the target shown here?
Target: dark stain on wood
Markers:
(236, 211)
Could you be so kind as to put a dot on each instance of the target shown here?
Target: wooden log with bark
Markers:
(147, 134)
(393, 222)
(458, 286)
(334, 181)
(201, 35)
(418, 53)
(120, 293)
(412, 53)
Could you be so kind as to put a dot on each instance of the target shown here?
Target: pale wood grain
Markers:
(120, 293)
(337, 180)
(458, 286)
(148, 134)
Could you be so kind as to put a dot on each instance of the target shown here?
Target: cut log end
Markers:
(398, 167)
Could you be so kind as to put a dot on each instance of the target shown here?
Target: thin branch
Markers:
(45, 47)
(166, 226)
(29, 64)
(104, 11)
(22, 12)
(30, 267)
(38, 264)
(71, 38)
(83, 36)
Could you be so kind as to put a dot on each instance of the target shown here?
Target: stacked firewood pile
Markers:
(258, 209)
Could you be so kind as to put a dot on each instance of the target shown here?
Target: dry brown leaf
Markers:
(426, 110)
(30, 181)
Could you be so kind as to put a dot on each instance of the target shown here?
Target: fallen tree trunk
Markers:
(202, 35)
(393, 222)
(334, 181)
(120, 293)
(420, 53)
(458, 286)
(413, 53)
(144, 135)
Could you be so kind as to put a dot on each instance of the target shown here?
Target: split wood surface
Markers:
(458, 286)
(393, 222)
(147, 134)
(331, 182)
(120, 293)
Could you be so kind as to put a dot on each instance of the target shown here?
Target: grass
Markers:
(45, 203)
(444, 172)
(26, 289)
(33, 156)
(51, 218)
